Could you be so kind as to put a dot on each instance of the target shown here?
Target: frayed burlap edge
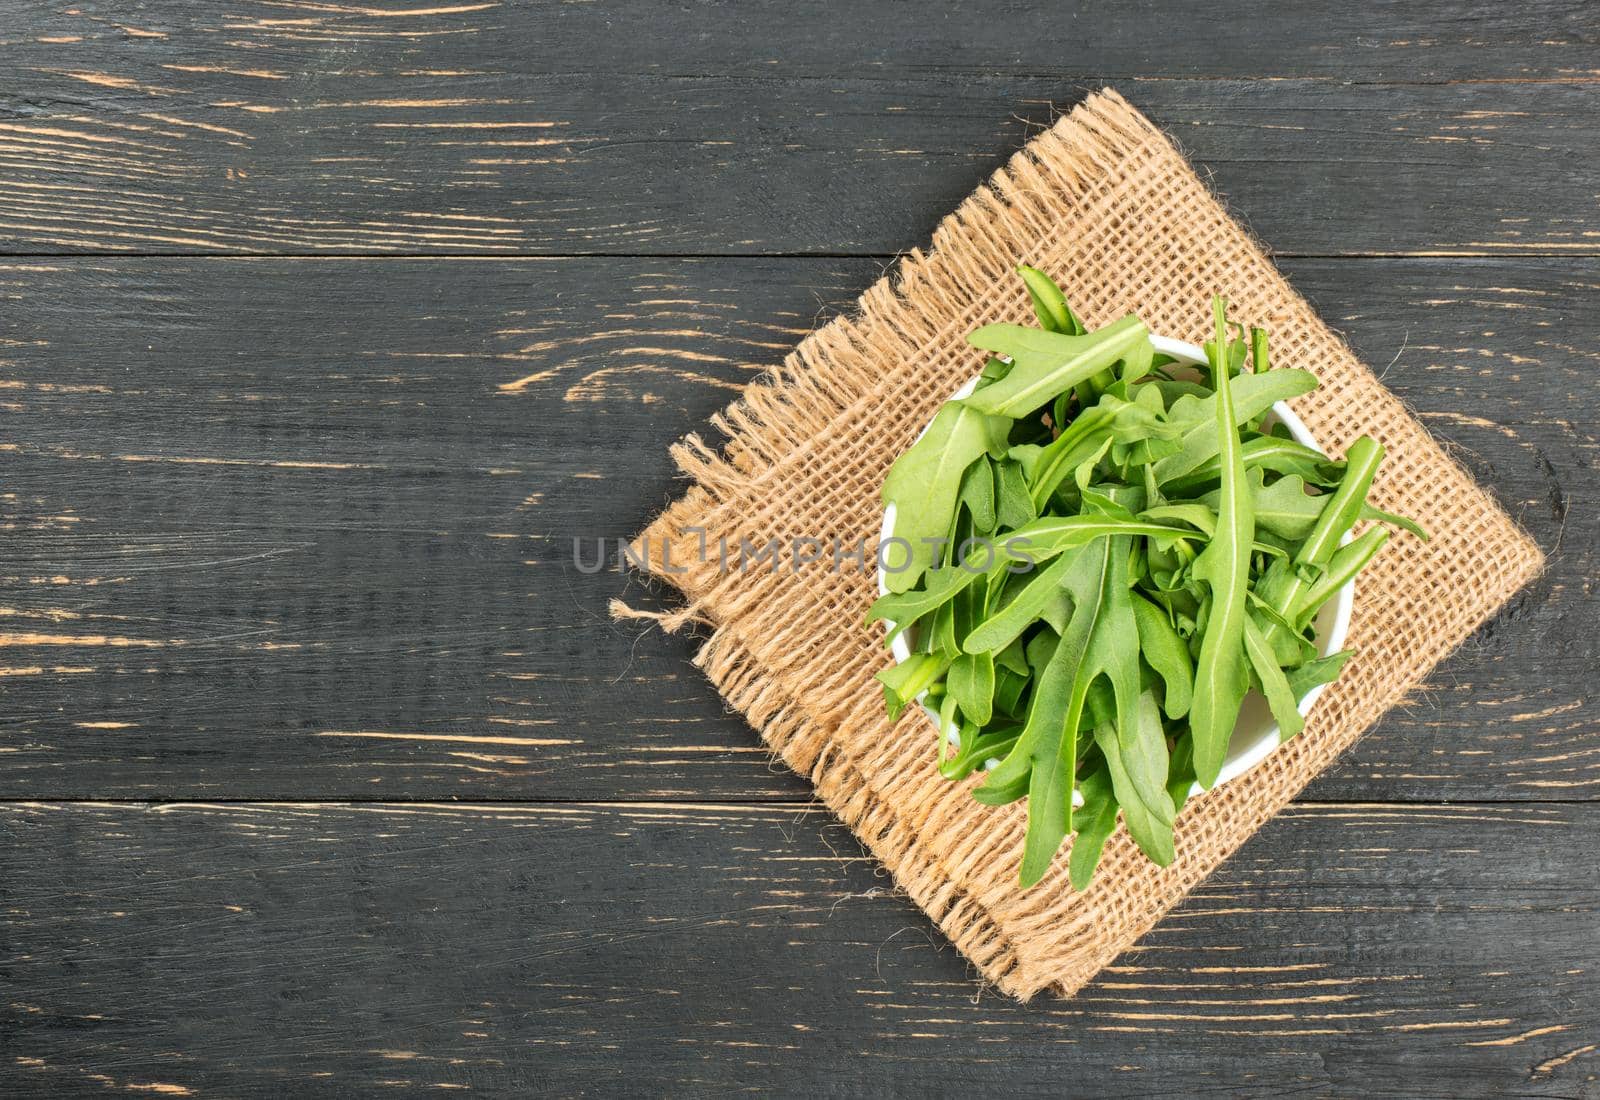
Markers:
(1104, 203)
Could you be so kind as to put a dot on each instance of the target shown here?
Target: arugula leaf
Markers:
(1180, 773)
(948, 730)
(1093, 645)
(1045, 754)
(1049, 304)
(1258, 349)
(1223, 567)
(942, 638)
(1046, 363)
(1323, 670)
(1284, 508)
(1266, 453)
(1202, 517)
(1096, 819)
(977, 494)
(1343, 506)
(925, 482)
(1009, 688)
(1274, 684)
(1346, 562)
(1031, 543)
(974, 751)
(1083, 442)
(1250, 395)
(1014, 505)
(1166, 654)
(1405, 523)
(910, 678)
(1285, 586)
(992, 794)
(1013, 658)
(971, 684)
(1021, 611)
(1138, 766)
(1047, 470)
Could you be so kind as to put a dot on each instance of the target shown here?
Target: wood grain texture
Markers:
(299, 529)
(303, 529)
(1421, 42)
(270, 950)
(299, 127)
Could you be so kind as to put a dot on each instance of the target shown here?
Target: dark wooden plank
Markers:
(293, 529)
(270, 950)
(559, 129)
(1499, 360)
(1430, 40)
(316, 524)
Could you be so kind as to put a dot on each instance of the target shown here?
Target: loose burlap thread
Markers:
(1105, 204)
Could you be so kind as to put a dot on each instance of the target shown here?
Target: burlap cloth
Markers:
(1105, 204)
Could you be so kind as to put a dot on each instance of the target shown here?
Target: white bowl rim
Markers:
(1240, 758)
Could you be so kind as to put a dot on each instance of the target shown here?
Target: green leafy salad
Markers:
(1097, 553)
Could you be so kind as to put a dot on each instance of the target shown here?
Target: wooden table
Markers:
(327, 326)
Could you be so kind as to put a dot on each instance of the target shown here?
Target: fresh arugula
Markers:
(925, 482)
(1221, 675)
(1151, 549)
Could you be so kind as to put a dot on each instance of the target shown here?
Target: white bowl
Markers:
(1256, 733)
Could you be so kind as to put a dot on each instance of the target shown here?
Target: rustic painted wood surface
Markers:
(315, 949)
(740, 165)
(273, 126)
(303, 528)
(322, 770)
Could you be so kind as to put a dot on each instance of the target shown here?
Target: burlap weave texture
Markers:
(1105, 204)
